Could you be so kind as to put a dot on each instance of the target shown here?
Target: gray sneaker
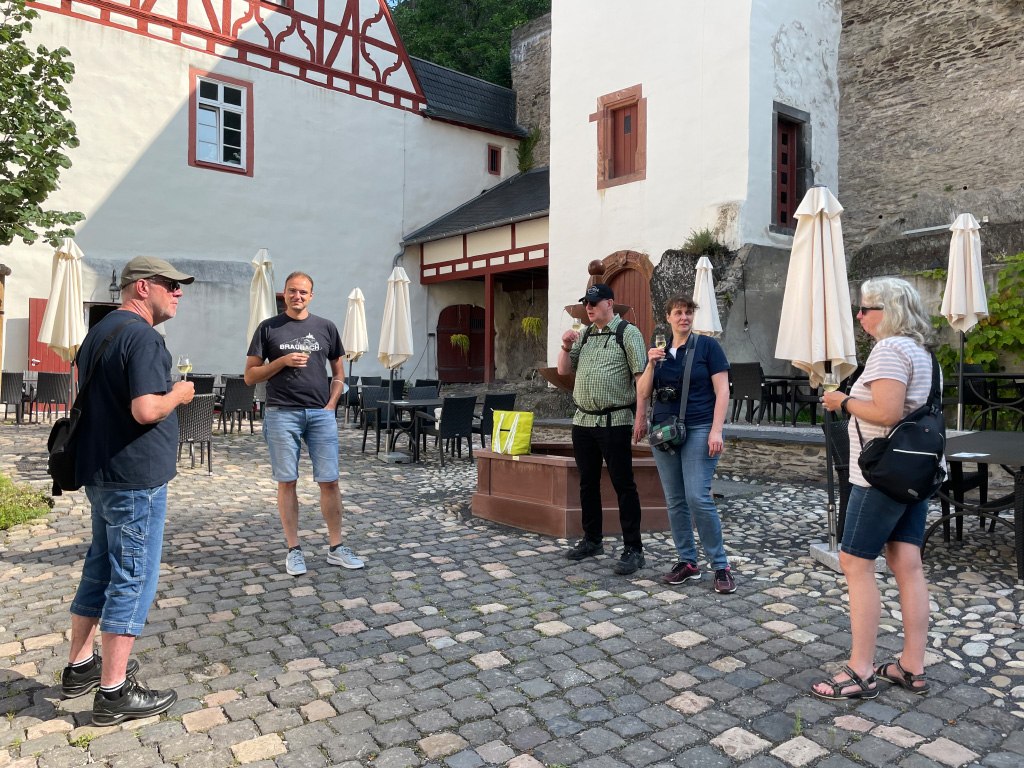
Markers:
(295, 563)
(342, 555)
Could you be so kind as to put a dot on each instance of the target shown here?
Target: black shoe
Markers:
(134, 702)
(74, 683)
(630, 561)
(585, 548)
(724, 582)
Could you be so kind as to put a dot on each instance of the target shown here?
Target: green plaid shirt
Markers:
(605, 374)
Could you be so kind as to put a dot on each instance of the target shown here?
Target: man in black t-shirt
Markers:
(127, 446)
(291, 352)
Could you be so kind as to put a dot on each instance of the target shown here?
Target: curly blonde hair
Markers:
(904, 313)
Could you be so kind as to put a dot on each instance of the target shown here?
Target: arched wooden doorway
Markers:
(454, 366)
(628, 274)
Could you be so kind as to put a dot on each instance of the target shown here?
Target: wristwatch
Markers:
(842, 405)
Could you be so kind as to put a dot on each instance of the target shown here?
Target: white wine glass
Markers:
(830, 382)
(660, 342)
(184, 366)
(577, 324)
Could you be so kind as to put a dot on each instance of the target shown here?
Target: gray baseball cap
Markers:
(143, 267)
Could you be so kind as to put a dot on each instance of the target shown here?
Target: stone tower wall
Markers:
(531, 79)
(929, 124)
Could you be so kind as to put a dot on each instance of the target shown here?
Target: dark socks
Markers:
(113, 692)
(81, 666)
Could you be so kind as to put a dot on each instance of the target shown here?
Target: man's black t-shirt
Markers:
(282, 335)
(114, 450)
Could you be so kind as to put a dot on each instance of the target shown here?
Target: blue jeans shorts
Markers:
(122, 566)
(284, 429)
(873, 519)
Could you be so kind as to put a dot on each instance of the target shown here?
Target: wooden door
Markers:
(37, 350)
(452, 365)
(632, 288)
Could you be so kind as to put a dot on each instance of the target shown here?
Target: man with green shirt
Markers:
(607, 360)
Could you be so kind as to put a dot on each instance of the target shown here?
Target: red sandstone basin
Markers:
(540, 491)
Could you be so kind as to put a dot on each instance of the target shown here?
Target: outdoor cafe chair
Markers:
(238, 401)
(195, 425)
(370, 381)
(435, 383)
(839, 438)
(454, 424)
(804, 396)
(748, 387)
(13, 394)
(259, 401)
(483, 424)
(203, 382)
(376, 413)
(53, 390)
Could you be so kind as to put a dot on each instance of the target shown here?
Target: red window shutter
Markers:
(49, 361)
(624, 140)
(788, 136)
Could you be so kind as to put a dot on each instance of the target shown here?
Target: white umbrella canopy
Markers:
(353, 337)
(964, 301)
(816, 325)
(63, 327)
(705, 320)
(396, 330)
(262, 297)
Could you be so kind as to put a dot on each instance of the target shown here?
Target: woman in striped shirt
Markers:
(896, 379)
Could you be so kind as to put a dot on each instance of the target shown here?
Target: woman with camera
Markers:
(686, 446)
(897, 379)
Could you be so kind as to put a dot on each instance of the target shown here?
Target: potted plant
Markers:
(461, 342)
(532, 327)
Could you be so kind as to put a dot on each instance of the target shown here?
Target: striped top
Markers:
(899, 358)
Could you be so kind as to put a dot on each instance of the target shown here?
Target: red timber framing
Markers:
(485, 266)
(350, 54)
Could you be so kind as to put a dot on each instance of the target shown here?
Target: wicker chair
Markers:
(376, 413)
(53, 390)
(483, 424)
(238, 401)
(748, 387)
(203, 382)
(840, 439)
(455, 423)
(12, 394)
(195, 425)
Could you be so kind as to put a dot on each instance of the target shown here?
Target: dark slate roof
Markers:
(467, 100)
(521, 197)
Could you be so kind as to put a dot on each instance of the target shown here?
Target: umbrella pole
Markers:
(344, 394)
(830, 483)
(960, 387)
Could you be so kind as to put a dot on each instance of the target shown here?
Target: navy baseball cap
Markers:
(596, 292)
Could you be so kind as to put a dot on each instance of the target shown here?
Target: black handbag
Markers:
(672, 434)
(906, 464)
(62, 444)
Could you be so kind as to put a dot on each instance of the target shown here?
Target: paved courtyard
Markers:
(464, 644)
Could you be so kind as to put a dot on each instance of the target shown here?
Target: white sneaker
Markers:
(295, 563)
(343, 556)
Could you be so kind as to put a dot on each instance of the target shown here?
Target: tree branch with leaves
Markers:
(35, 131)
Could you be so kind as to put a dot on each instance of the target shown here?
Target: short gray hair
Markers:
(904, 311)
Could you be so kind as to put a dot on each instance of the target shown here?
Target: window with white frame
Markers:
(220, 124)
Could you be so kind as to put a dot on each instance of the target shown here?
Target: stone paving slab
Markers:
(463, 643)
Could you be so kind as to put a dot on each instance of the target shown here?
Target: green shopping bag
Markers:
(511, 434)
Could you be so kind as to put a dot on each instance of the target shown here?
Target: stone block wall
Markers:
(930, 104)
(531, 79)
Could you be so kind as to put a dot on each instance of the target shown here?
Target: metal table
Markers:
(990, 447)
(410, 431)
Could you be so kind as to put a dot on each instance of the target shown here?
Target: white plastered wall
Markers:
(337, 181)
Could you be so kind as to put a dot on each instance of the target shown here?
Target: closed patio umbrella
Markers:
(353, 335)
(705, 319)
(262, 297)
(395, 336)
(816, 325)
(63, 327)
(964, 302)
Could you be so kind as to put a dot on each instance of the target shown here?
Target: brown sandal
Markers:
(904, 680)
(865, 691)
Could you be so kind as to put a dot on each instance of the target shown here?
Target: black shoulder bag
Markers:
(62, 445)
(906, 464)
(672, 434)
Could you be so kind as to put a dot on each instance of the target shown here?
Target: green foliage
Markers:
(932, 274)
(533, 327)
(524, 152)
(19, 504)
(999, 334)
(34, 130)
(703, 242)
(470, 36)
(461, 342)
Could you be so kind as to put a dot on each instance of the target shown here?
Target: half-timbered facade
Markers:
(210, 129)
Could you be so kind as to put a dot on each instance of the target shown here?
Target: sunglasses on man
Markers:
(169, 285)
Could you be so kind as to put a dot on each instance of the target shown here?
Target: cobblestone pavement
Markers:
(464, 644)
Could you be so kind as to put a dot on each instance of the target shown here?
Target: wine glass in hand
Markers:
(660, 341)
(184, 367)
(830, 382)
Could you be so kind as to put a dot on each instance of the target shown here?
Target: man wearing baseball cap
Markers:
(607, 359)
(127, 451)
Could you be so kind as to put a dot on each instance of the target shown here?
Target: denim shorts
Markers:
(122, 566)
(873, 519)
(284, 429)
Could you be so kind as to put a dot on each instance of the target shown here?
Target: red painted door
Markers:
(453, 365)
(40, 357)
